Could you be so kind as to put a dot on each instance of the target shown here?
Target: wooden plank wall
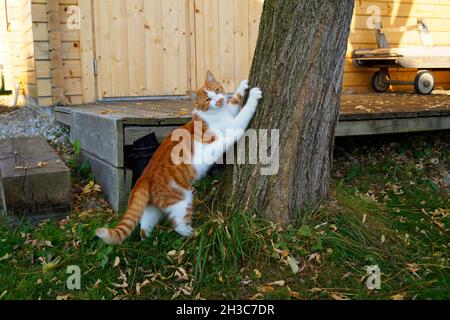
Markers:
(396, 13)
(142, 47)
(17, 47)
(226, 32)
(236, 28)
(70, 49)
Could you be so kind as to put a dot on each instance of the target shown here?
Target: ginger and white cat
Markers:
(165, 187)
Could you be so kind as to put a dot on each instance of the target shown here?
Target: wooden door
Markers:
(225, 37)
(142, 47)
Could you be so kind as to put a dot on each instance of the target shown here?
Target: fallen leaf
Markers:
(181, 274)
(116, 262)
(183, 112)
(50, 265)
(123, 285)
(64, 297)
(180, 256)
(138, 289)
(41, 164)
(257, 273)
(48, 243)
(256, 296)
(412, 267)
(279, 283)
(172, 253)
(293, 264)
(97, 283)
(399, 296)
(338, 296)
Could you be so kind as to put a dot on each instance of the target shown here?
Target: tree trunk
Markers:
(298, 65)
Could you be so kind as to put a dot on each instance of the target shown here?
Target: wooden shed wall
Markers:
(394, 14)
(70, 51)
(17, 47)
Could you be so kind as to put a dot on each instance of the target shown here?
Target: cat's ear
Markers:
(193, 95)
(210, 77)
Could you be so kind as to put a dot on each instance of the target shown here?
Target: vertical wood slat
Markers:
(199, 35)
(255, 11)
(225, 39)
(171, 63)
(226, 45)
(241, 40)
(183, 38)
(136, 53)
(153, 47)
(56, 61)
(102, 43)
(192, 45)
(87, 52)
(211, 37)
(119, 48)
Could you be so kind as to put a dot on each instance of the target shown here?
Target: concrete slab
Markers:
(115, 182)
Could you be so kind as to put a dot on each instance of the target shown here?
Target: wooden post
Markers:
(56, 61)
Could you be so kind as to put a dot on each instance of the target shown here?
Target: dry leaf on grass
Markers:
(339, 296)
(399, 296)
(181, 274)
(293, 264)
(116, 262)
(279, 283)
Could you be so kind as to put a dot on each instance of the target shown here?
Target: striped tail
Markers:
(138, 202)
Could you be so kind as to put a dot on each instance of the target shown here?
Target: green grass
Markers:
(389, 206)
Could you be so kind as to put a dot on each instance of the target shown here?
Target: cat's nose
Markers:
(220, 102)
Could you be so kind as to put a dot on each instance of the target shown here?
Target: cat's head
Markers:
(210, 96)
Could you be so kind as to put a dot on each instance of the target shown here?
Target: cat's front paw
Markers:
(256, 94)
(243, 87)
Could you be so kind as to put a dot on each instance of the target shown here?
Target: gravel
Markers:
(27, 122)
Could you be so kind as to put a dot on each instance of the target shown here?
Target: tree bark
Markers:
(298, 65)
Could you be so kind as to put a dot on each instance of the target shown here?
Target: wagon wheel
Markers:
(380, 83)
(424, 82)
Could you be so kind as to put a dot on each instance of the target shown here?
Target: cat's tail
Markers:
(139, 200)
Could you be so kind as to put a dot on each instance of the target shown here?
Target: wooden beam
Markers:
(397, 125)
(55, 52)
(87, 51)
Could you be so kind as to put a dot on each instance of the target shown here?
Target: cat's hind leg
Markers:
(149, 220)
(181, 215)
